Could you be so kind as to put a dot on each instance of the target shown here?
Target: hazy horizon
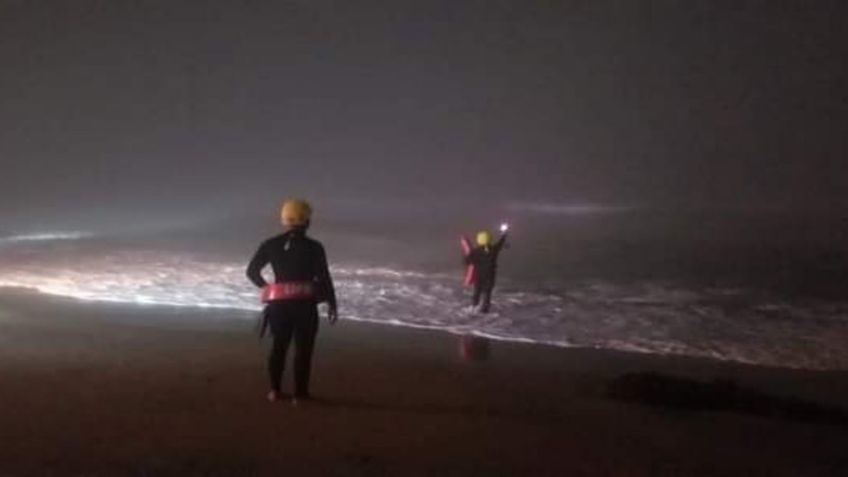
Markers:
(167, 111)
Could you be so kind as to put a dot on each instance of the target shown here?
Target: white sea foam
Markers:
(654, 317)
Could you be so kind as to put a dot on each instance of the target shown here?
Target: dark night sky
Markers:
(195, 105)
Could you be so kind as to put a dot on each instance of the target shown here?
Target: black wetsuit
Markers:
(485, 261)
(294, 257)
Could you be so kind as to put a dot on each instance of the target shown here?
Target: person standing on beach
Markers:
(301, 281)
(484, 258)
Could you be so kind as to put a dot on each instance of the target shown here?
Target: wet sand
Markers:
(102, 389)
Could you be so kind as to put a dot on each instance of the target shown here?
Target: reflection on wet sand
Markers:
(474, 348)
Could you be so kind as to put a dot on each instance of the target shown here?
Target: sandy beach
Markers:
(107, 389)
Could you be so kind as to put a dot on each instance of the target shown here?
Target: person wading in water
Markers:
(484, 258)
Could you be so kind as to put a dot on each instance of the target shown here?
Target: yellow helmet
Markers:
(295, 212)
(484, 238)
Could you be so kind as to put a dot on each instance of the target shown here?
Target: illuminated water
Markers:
(649, 315)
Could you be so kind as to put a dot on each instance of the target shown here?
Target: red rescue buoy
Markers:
(287, 291)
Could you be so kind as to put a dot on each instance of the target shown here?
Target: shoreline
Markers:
(226, 314)
(106, 389)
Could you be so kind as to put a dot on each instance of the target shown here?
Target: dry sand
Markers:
(98, 389)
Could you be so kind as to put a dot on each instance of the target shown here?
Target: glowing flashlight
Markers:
(504, 227)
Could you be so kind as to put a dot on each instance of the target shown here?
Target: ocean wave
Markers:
(576, 208)
(648, 316)
(44, 237)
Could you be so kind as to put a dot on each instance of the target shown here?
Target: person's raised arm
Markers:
(501, 241)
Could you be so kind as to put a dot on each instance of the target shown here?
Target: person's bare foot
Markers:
(273, 396)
